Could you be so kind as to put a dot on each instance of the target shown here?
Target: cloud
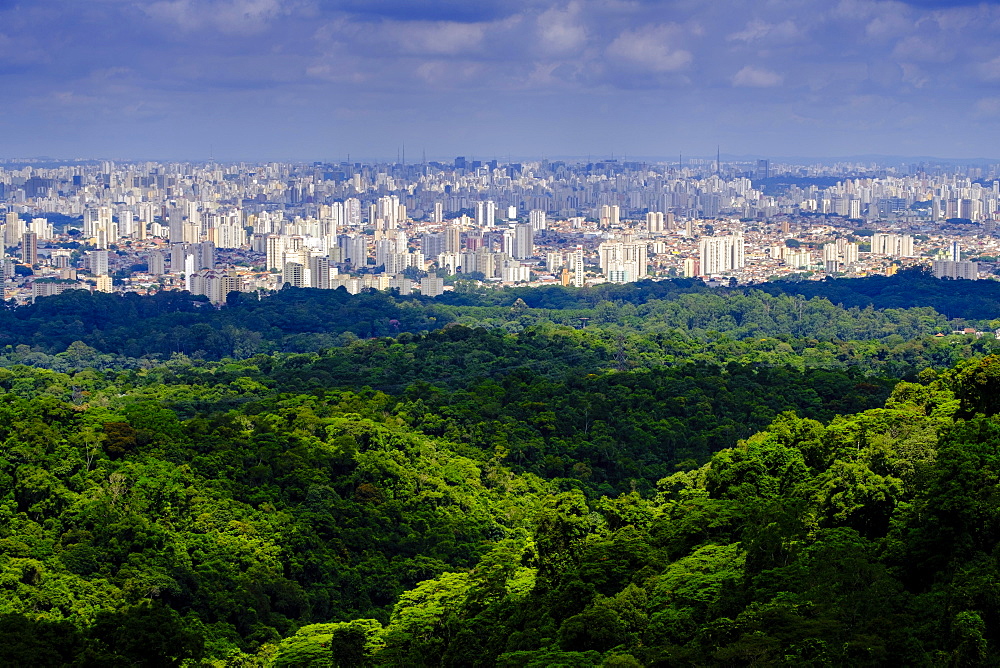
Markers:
(990, 71)
(240, 17)
(757, 30)
(429, 10)
(652, 48)
(530, 60)
(754, 77)
(442, 37)
(920, 48)
(560, 31)
(987, 107)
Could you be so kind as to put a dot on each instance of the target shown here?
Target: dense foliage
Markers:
(872, 322)
(242, 525)
(695, 478)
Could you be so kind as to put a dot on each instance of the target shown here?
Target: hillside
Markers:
(509, 493)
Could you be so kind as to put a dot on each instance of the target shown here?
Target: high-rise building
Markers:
(955, 269)
(96, 219)
(29, 248)
(275, 254)
(507, 242)
(524, 241)
(486, 213)
(175, 225)
(654, 222)
(623, 262)
(537, 218)
(231, 282)
(319, 272)
(763, 170)
(402, 284)
(432, 244)
(431, 286)
(352, 211)
(41, 227)
(104, 283)
(575, 262)
(97, 262)
(610, 215)
(354, 249)
(452, 239)
(895, 245)
(229, 235)
(294, 274)
(13, 230)
(719, 255)
(155, 263)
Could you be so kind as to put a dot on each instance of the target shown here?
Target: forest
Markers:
(687, 476)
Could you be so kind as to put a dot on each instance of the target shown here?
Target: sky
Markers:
(327, 80)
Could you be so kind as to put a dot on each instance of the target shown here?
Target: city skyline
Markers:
(303, 80)
(214, 229)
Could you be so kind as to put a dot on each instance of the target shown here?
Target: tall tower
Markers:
(275, 252)
(721, 254)
(29, 248)
(175, 219)
(13, 230)
(98, 261)
(486, 213)
(524, 241)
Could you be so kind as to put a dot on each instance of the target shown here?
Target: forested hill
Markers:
(645, 324)
(911, 288)
(654, 474)
(334, 528)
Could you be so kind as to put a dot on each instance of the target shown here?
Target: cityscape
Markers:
(212, 228)
(515, 334)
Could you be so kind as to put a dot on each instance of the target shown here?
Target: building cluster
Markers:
(213, 229)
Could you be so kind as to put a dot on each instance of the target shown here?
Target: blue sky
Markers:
(312, 80)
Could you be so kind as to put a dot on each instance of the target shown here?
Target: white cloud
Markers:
(560, 31)
(921, 48)
(651, 47)
(239, 17)
(448, 73)
(987, 107)
(755, 77)
(990, 71)
(439, 37)
(758, 30)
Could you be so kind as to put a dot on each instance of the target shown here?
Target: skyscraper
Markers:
(623, 262)
(13, 230)
(537, 219)
(524, 241)
(721, 254)
(654, 222)
(452, 239)
(29, 248)
(275, 252)
(175, 224)
(294, 274)
(98, 262)
(155, 263)
(486, 213)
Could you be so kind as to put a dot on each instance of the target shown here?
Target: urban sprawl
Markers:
(212, 229)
